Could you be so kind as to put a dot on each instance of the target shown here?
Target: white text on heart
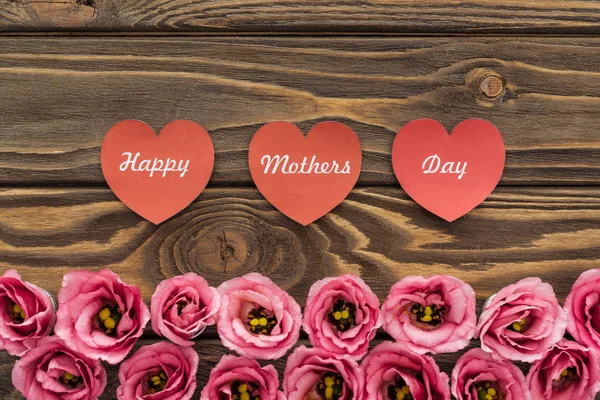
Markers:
(152, 166)
(431, 165)
(303, 167)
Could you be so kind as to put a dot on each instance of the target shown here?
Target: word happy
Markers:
(431, 165)
(282, 163)
(154, 165)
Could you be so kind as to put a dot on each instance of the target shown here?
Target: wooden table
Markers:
(71, 69)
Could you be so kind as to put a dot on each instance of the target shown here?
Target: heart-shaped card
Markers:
(157, 176)
(448, 175)
(305, 177)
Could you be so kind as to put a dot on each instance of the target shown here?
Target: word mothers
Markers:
(152, 166)
(293, 167)
(431, 165)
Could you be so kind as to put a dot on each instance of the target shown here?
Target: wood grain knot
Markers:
(492, 86)
(220, 240)
(488, 86)
(64, 14)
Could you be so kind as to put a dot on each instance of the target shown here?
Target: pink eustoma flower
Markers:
(478, 374)
(99, 315)
(567, 371)
(52, 371)
(233, 376)
(160, 371)
(392, 371)
(182, 307)
(257, 318)
(316, 374)
(26, 314)
(342, 316)
(582, 306)
(522, 321)
(435, 314)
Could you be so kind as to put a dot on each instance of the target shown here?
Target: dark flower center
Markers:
(429, 317)
(520, 325)
(180, 306)
(154, 382)
(261, 321)
(399, 391)
(69, 380)
(108, 319)
(331, 386)
(567, 377)
(16, 312)
(487, 390)
(342, 315)
(244, 391)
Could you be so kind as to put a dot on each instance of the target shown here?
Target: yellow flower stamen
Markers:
(491, 391)
(254, 321)
(329, 381)
(243, 388)
(329, 392)
(337, 315)
(110, 323)
(104, 314)
(17, 309)
(406, 390)
(345, 314)
(428, 310)
(263, 321)
(68, 376)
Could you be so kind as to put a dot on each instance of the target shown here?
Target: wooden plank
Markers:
(403, 16)
(377, 233)
(61, 95)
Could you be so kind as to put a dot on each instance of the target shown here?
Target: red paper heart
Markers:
(476, 142)
(305, 197)
(155, 191)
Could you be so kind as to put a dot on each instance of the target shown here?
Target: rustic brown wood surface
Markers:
(61, 95)
(178, 59)
(377, 233)
(400, 16)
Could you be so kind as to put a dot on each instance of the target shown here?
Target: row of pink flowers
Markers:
(99, 317)
(390, 371)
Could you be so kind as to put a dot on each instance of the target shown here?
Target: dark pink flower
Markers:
(258, 319)
(478, 373)
(582, 307)
(52, 371)
(160, 371)
(392, 371)
(182, 307)
(435, 314)
(522, 321)
(316, 374)
(26, 314)
(99, 315)
(233, 376)
(567, 371)
(342, 315)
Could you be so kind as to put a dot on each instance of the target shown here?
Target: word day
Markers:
(304, 167)
(431, 165)
(155, 165)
